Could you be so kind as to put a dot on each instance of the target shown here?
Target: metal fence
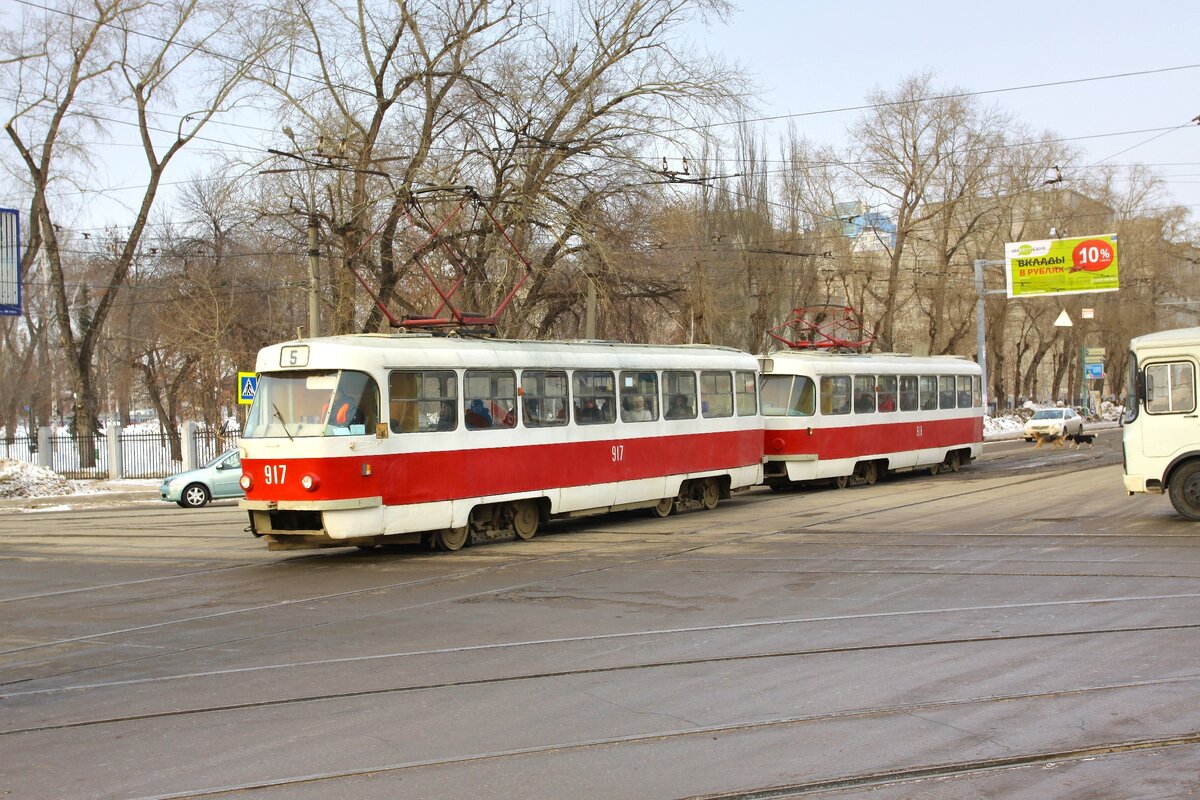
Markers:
(143, 454)
(21, 448)
(210, 444)
(70, 457)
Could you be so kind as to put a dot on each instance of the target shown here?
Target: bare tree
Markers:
(899, 150)
(140, 52)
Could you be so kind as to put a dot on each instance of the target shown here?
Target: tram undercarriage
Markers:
(300, 529)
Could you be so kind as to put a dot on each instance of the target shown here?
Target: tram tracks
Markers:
(858, 647)
(984, 674)
(458, 576)
(864, 780)
(884, 778)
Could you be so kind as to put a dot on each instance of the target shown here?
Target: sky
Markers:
(812, 57)
(809, 58)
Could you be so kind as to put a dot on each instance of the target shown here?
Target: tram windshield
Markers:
(313, 403)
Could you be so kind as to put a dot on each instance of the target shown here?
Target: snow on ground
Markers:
(18, 479)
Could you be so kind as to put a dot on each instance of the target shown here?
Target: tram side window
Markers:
(544, 398)
(747, 395)
(716, 394)
(639, 396)
(679, 394)
(835, 394)
(964, 390)
(908, 393)
(491, 399)
(423, 400)
(864, 394)
(1171, 388)
(946, 391)
(928, 392)
(595, 397)
(976, 392)
(887, 392)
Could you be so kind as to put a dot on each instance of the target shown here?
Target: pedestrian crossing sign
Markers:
(247, 387)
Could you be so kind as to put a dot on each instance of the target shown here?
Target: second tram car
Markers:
(848, 417)
(367, 439)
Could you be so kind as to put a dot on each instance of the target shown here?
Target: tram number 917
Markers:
(273, 474)
(618, 452)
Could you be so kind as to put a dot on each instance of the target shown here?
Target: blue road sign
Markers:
(247, 387)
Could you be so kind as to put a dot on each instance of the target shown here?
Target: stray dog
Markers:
(1080, 439)
(1048, 438)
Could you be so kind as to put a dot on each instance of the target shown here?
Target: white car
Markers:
(1054, 422)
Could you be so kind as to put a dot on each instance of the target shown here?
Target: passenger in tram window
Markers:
(344, 411)
(679, 408)
(586, 411)
(637, 410)
(533, 411)
(506, 414)
(477, 415)
(886, 402)
(447, 419)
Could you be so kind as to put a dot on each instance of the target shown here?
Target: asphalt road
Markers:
(1018, 629)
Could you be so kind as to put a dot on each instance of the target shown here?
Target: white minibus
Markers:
(1161, 428)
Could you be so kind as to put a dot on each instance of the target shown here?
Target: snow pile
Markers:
(1005, 423)
(18, 479)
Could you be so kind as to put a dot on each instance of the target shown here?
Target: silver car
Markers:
(217, 480)
(1054, 422)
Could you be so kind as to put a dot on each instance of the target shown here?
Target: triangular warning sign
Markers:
(1063, 321)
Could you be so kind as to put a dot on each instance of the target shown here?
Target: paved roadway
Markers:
(1019, 629)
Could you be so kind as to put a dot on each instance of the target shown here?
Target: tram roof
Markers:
(423, 349)
(829, 360)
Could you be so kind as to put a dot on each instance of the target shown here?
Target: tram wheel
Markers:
(451, 539)
(711, 493)
(525, 519)
(664, 507)
(870, 473)
(953, 461)
(1184, 490)
(934, 469)
(841, 481)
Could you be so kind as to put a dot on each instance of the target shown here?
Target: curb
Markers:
(83, 498)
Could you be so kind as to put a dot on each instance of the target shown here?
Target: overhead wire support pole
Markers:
(981, 293)
(314, 277)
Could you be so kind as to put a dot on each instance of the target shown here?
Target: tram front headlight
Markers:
(245, 482)
(310, 482)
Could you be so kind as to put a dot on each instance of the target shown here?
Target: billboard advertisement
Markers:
(1062, 266)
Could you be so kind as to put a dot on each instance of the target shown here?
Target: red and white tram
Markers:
(854, 417)
(369, 439)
